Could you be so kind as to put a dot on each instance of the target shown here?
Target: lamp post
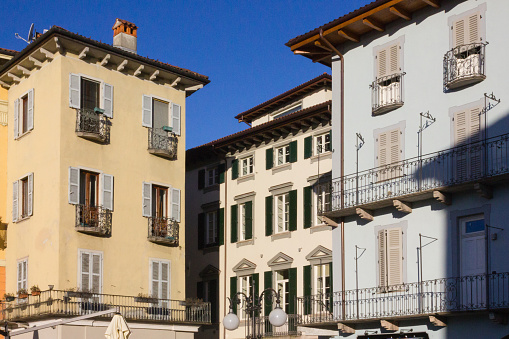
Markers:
(277, 316)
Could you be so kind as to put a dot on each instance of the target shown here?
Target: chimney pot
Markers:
(125, 35)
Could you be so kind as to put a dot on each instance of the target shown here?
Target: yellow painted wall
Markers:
(48, 238)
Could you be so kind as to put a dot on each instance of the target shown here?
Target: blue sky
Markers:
(238, 44)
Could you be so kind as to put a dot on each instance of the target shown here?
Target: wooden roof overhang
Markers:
(321, 81)
(311, 117)
(59, 40)
(352, 26)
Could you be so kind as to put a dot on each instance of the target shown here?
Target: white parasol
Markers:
(118, 328)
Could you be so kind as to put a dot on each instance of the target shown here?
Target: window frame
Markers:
(324, 202)
(23, 283)
(285, 155)
(91, 253)
(23, 200)
(402, 227)
(101, 189)
(212, 174)
(248, 281)
(285, 291)
(24, 116)
(147, 119)
(246, 163)
(160, 281)
(241, 222)
(103, 99)
(285, 212)
(316, 277)
(211, 218)
(326, 149)
(169, 200)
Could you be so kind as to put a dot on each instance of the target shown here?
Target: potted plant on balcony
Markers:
(78, 293)
(9, 297)
(22, 293)
(145, 298)
(35, 290)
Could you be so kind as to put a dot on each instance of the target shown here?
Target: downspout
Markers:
(342, 167)
(226, 306)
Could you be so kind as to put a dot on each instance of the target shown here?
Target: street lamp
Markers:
(277, 316)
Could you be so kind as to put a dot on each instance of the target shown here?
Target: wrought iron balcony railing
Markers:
(268, 330)
(467, 293)
(92, 125)
(162, 143)
(163, 230)
(58, 303)
(93, 220)
(387, 93)
(469, 163)
(465, 64)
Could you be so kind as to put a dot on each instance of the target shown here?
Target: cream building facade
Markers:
(95, 184)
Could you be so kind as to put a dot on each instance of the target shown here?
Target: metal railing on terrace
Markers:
(93, 220)
(387, 93)
(268, 330)
(162, 142)
(68, 304)
(163, 230)
(439, 296)
(463, 164)
(92, 125)
(465, 64)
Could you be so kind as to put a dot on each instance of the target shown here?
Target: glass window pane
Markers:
(474, 226)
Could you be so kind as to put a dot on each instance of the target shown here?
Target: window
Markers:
(88, 94)
(288, 111)
(282, 212)
(467, 130)
(322, 284)
(212, 176)
(160, 280)
(282, 155)
(388, 84)
(322, 201)
(161, 201)
(22, 202)
(242, 221)
(246, 165)
(390, 258)
(245, 286)
(90, 268)
(389, 153)
(472, 245)
(24, 114)
(207, 291)
(282, 284)
(323, 143)
(161, 114)
(90, 190)
(211, 230)
(22, 274)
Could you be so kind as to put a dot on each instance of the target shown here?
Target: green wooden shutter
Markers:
(269, 158)
(308, 207)
(330, 138)
(233, 291)
(307, 289)
(220, 226)
(249, 220)
(292, 281)
(268, 214)
(267, 283)
(234, 223)
(222, 169)
(201, 230)
(293, 151)
(256, 282)
(199, 290)
(235, 169)
(201, 179)
(293, 210)
(213, 295)
(308, 147)
(331, 296)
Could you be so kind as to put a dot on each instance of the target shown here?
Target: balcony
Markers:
(93, 220)
(268, 330)
(431, 297)
(92, 125)
(162, 143)
(473, 166)
(164, 231)
(55, 303)
(464, 65)
(387, 93)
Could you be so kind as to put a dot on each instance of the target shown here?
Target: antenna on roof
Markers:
(31, 35)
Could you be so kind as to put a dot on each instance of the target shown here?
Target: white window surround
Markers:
(322, 198)
(401, 42)
(241, 221)
(282, 284)
(282, 155)
(22, 274)
(466, 107)
(376, 132)
(106, 192)
(481, 9)
(162, 293)
(282, 213)
(174, 113)
(18, 195)
(91, 253)
(321, 279)
(321, 145)
(246, 165)
(174, 200)
(106, 93)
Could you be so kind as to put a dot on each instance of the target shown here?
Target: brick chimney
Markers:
(124, 35)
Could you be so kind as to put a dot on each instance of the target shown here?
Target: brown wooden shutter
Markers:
(382, 262)
(394, 256)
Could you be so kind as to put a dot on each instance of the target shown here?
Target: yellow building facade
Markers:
(95, 178)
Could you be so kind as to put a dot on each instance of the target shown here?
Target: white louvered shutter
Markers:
(16, 118)
(146, 116)
(74, 90)
(108, 100)
(395, 153)
(74, 185)
(22, 274)
(383, 156)
(147, 199)
(107, 191)
(30, 113)
(394, 62)
(382, 259)
(85, 271)
(466, 30)
(155, 279)
(30, 193)
(165, 280)
(96, 269)
(460, 138)
(382, 58)
(175, 204)
(394, 256)
(175, 118)
(15, 201)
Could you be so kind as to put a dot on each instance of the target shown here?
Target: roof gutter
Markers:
(342, 156)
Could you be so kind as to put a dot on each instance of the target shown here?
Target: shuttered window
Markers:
(390, 258)
(90, 266)
(83, 185)
(388, 62)
(467, 130)
(22, 274)
(160, 279)
(466, 30)
(23, 198)
(389, 152)
(157, 205)
(89, 94)
(157, 113)
(24, 114)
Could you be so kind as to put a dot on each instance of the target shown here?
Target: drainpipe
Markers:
(342, 167)
(224, 237)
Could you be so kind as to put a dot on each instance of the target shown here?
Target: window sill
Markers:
(246, 177)
(22, 135)
(319, 228)
(282, 167)
(211, 188)
(282, 235)
(324, 155)
(245, 242)
(22, 219)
